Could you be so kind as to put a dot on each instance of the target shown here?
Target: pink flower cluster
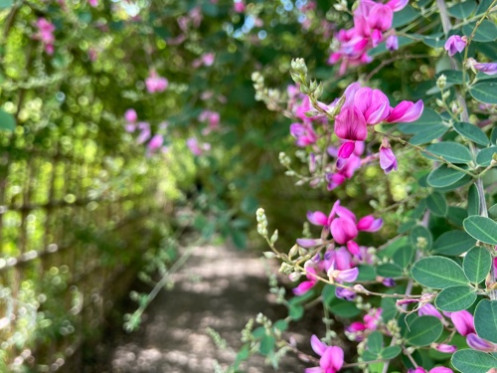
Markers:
(206, 59)
(196, 147)
(371, 21)
(331, 360)
(464, 323)
(45, 34)
(155, 83)
(359, 330)
(212, 118)
(455, 44)
(343, 226)
(156, 142)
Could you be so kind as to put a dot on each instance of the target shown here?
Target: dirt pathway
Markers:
(220, 288)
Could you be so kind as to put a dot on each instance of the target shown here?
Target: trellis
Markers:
(72, 230)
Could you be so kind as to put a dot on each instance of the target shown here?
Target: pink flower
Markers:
(305, 286)
(429, 310)
(130, 116)
(155, 143)
(304, 133)
(463, 322)
(406, 111)
(208, 59)
(350, 124)
(477, 343)
(93, 3)
(144, 135)
(369, 223)
(445, 348)
(45, 34)
(156, 83)
(331, 360)
(489, 68)
(433, 370)
(392, 43)
(455, 44)
(346, 275)
(195, 147)
(239, 6)
(397, 5)
(388, 162)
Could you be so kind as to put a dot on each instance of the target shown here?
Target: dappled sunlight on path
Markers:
(220, 288)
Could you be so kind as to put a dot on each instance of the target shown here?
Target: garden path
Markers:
(220, 288)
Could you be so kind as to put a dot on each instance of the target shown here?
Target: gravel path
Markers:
(220, 288)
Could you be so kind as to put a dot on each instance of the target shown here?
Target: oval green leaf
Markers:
(476, 264)
(471, 132)
(484, 156)
(428, 134)
(438, 272)
(437, 204)
(481, 228)
(473, 201)
(455, 298)
(472, 361)
(444, 176)
(423, 331)
(451, 151)
(486, 320)
(462, 10)
(486, 32)
(403, 256)
(485, 92)
(453, 243)
(389, 270)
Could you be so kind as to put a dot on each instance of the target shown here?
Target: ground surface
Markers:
(220, 288)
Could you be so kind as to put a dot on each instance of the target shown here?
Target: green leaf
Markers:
(7, 121)
(451, 151)
(465, 180)
(493, 136)
(437, 204)
(483, 6)
(343, 308)
(484, 156)
(390, 352)
(485, 91)
(481, 228)
(404, 256)
(423, 331)
(389, 270)
(328, 294)
(462, 10)
(405, 16)
(472, 361)
(456, 215)
(473, 201)
(476, 264)
(366, 273)
(421, 238)
(453, 243)
(281, 325)
(455, 298)
(435, 41)
(486, 32)
(242, 355)
(296, 311)
(438, 272)
(471, 132)
(492, 211)
(428, 119)
(375, 342)
(267, 345)
(444, 176)
(369, 356)
(486, 320)
(389, 309)
(429, 134)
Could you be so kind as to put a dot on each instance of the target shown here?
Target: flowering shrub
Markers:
(396, 141)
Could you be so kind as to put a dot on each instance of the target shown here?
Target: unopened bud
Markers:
(274, 237)
(441, 81)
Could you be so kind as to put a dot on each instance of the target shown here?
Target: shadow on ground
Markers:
(220, 288)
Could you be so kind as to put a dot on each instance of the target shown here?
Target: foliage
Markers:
(391, 133)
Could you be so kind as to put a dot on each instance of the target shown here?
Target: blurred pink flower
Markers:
(155, 83)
